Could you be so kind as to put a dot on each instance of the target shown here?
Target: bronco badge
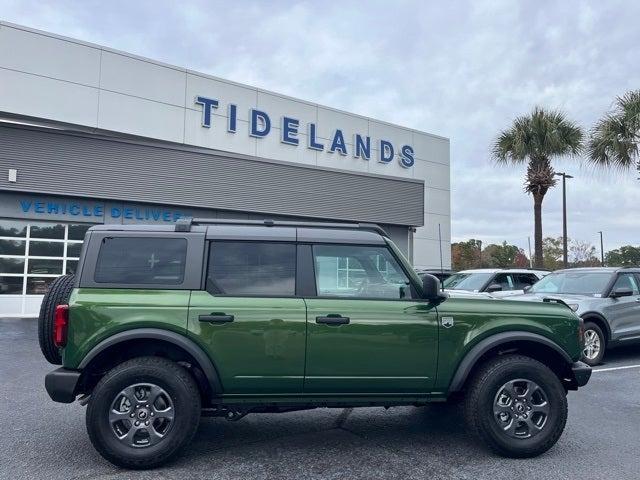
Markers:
(447, 322)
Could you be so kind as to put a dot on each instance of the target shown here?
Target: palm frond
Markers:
(611, 143)
(614, 139)
(541, 134)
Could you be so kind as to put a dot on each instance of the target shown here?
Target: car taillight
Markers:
(60, 324)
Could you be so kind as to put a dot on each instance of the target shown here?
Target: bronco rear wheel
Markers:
(517, 406)
(57, 294)
(143, 412)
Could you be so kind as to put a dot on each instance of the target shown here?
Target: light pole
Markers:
(601, 250)
(564, 176)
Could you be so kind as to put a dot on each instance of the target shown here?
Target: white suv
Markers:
(499, 282)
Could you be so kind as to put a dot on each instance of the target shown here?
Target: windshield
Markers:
(467, 281)
(581, 283)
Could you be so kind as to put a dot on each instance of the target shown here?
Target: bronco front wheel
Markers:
(517, 406)
(143, 412)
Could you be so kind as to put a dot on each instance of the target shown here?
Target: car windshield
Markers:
(467, 281)
(581, 283)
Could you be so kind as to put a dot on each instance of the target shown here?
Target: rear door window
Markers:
(151, 261)
(252, 269)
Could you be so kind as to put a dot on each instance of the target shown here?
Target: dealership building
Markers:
(91, 135)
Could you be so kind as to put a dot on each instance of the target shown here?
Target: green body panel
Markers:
(262, 350)
(275, 351)
(95, 314)
(389, 346)
(477, 319)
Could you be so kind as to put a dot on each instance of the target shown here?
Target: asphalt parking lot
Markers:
(42, 439)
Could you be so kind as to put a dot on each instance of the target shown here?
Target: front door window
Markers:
(359, 272)
(626, 280)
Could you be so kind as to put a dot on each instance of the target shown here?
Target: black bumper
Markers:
(61, 384)
(581, 374)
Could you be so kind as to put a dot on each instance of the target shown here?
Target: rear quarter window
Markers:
(140, 260)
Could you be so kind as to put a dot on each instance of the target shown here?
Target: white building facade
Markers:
(93, 135)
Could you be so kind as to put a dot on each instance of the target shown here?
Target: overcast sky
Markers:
(463, 70)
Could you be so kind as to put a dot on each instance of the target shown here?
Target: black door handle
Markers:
(333, 320)
(216, 318)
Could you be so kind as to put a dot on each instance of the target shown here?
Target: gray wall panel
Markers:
(90, 166)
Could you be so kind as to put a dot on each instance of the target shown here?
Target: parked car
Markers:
(441, 275)
(164, 324)
(606, 298)
(495, 281)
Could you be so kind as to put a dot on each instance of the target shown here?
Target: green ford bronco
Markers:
(164, 324)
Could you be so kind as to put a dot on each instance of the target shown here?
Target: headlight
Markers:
(573, 306)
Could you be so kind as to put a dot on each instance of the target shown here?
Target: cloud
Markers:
(460, 69)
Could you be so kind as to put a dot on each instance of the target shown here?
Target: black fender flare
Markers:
(174, 338)
(607, 327)
(486, 344)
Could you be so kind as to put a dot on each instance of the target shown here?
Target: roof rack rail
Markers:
(185, 224)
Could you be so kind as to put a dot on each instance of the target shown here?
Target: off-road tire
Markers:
(168, 375)
(603, 342)
(57, 294)
(481, 394)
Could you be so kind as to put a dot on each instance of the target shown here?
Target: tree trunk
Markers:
(537, 231)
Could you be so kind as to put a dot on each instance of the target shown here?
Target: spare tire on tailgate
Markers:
(58, 294)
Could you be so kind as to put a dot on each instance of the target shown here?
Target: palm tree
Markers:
(534, 140)
(614, 139)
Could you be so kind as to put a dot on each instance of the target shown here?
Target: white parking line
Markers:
(615, 368)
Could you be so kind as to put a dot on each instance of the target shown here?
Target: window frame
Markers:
(297, 269)
(193, 261)
(415, 297)
(27, 253)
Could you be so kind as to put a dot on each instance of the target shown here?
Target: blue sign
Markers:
(98, 211)
(260, 126)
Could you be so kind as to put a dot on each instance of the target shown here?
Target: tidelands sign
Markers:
(260, 126)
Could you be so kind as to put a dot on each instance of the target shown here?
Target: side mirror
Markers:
(621, 292)
(526, 288)
(494, 287)
(431, 288)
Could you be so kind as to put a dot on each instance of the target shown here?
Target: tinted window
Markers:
(11, 285)
(11, 265)
(359, 272)
(12, 247)
(584, 283)
(76, 232)
(72, 265)
(46, 249)
(467, 281)
(73, 249)
(626, 280)
(47, 230)
(13, 228)
(45, 266)
(251, 268)
(505, 280)
(38, 285)
(135, 260)
(525, 280)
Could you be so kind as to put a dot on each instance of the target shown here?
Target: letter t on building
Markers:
(207, 105)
